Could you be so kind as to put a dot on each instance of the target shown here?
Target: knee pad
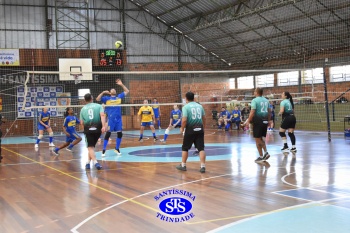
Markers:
(119, 134)
(289, 134)
(40, 136)
(108, 134)
(283, 134)
(51, 134)
(167, 131)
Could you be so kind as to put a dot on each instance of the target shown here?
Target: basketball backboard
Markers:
(73, 68)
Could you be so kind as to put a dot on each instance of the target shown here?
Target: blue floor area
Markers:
(302, 219)
(310, 195)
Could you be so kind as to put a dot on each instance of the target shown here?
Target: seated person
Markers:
(245, 114)
(236, 117)
(224, 118)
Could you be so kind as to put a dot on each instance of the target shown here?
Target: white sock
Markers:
(284, 140)
(293, 146)
(95, 161)
(183, 164)
(202, 165)
(88, 162)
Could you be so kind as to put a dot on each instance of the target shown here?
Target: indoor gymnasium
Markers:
(174, 116)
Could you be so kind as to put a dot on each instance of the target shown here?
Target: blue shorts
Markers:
(72, 136)
(156, 115)
(147, 123)
(41, 127)
(115, 125)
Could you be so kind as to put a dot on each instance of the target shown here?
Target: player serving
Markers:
(114, 114)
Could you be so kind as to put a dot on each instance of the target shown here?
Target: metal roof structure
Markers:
(257, 31)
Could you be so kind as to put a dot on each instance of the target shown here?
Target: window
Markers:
(340, 73)
(245, 82)
(82, 92)
(266, 80)
(288, 78)
(232, 83)
(312, 76)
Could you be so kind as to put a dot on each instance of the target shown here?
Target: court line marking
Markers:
(311, 204)
(83, 181)
(83, 172)
(15, 164)
(74, 229)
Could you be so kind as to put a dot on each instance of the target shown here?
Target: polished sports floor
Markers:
(304, 192)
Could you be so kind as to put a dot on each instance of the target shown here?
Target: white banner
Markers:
(39, 96)
(9, 57)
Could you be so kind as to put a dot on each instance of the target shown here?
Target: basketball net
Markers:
(76, 78)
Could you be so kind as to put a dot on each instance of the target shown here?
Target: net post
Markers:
(25, 89)
(326, 101)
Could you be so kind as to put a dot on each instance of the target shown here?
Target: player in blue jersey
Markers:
(44, 124)
(272, 107)
(114, 114)
(156, 111)
(175, 122)
(224, 119)
(72, 137)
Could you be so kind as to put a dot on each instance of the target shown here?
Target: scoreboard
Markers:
(112, 58)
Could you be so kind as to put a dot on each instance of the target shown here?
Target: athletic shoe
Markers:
(117, 151)
(155, 139)
(181, 168)
(202, 170)
(36, 146)
(140, 140)
(103, 154)
(162, 140)
(51, 144)
(259, 160)
(294, 150)
(196, 152)
(87, 166)
(285, 149)
(266, 156)
(55, 151)
(98, 166)
(69, 148)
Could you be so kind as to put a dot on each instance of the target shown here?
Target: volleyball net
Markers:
(25, 93)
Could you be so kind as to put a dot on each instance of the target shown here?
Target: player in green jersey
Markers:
(93, 119)
(260, 116)
(193, 120)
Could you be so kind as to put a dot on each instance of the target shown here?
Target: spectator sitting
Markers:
(224, 117)
(236, 117)
(245, 113)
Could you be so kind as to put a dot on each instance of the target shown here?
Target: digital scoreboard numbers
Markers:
(111, 58)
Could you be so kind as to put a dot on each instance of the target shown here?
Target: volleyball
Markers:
(118, 44)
